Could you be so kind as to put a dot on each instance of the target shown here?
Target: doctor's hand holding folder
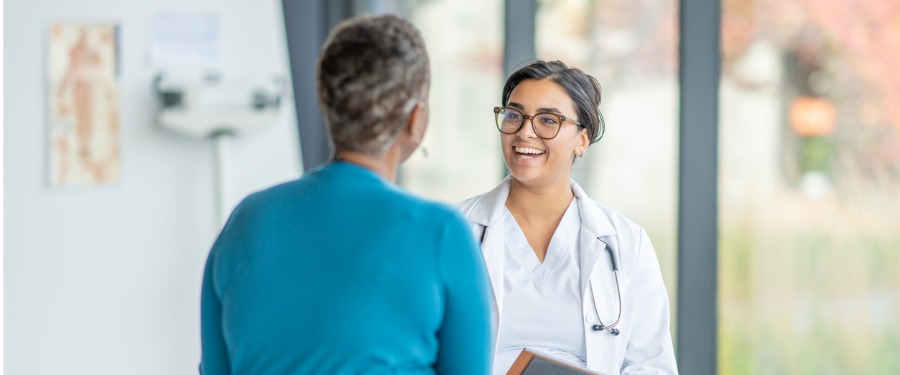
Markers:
(533, 363)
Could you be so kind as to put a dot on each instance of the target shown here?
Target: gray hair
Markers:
(371, 72)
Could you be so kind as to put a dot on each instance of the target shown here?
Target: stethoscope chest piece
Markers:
(598, 327)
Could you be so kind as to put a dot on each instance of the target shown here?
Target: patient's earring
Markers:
(418, 140)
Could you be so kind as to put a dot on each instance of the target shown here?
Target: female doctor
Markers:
(571, 278)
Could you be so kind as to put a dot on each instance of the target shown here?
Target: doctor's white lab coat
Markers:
(644, 345)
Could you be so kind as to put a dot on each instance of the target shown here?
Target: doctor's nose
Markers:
(527, 129)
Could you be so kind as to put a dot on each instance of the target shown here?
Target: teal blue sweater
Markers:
(341, 272)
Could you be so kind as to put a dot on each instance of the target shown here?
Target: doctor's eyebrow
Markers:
(522, 108)
(515, 105)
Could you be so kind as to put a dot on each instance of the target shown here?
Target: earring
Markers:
(418, 140)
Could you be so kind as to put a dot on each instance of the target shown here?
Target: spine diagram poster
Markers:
(84, 104)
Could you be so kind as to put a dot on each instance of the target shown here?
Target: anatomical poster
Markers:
(83, 69)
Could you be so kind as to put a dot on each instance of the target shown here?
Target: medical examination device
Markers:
(612, 327)
(206, 106)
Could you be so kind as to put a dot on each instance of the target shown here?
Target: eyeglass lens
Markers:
(545, 125)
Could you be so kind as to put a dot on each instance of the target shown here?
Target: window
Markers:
(631, 48)
(464, 40)
(809, 187)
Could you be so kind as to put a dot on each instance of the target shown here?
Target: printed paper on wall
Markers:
(84, 104)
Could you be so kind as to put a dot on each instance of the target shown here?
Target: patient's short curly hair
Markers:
(371, 72)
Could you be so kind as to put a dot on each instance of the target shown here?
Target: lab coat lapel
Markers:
(492, 250)
(591, 247)
(601, 346)
(597, 282)
(484, 216)
(596, 233)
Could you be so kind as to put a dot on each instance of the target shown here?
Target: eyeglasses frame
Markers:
(560, 117)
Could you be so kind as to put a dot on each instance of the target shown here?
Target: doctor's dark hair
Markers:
(583, 89)
(372, 71)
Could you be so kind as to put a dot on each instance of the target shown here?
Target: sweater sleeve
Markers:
(214, 354)
(465, 335)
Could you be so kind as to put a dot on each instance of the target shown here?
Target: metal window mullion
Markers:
(519, 26)
(305, 30)
(699, 70)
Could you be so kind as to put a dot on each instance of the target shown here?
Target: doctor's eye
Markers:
(547, 119)
(510, 115)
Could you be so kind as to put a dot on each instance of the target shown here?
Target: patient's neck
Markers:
(385, 165)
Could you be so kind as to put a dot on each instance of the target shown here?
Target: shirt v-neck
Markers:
(560, 243)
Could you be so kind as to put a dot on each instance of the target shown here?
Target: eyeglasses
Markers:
(546, 125)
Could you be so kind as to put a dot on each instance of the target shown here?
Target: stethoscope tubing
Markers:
(612, 327)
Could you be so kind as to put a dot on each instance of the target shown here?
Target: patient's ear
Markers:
(417, 121)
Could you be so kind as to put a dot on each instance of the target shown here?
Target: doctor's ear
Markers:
(582, 142)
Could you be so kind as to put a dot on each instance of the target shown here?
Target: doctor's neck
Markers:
(534, 199)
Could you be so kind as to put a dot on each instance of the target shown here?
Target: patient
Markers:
(342, 271)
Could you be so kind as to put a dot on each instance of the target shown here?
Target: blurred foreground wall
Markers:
(106, 279)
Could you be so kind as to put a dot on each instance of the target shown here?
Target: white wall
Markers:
(106, 280)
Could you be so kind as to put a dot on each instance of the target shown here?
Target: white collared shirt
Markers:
(542, 301)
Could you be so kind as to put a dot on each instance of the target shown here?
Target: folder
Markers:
(532, 363)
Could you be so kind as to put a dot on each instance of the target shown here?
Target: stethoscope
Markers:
(615, 266)
(612, 327)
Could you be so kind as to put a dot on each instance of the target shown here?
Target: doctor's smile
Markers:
(528, 152)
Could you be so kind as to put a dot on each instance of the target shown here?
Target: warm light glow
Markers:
(812, 117)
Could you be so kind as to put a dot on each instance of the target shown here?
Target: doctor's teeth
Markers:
(529, 150)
